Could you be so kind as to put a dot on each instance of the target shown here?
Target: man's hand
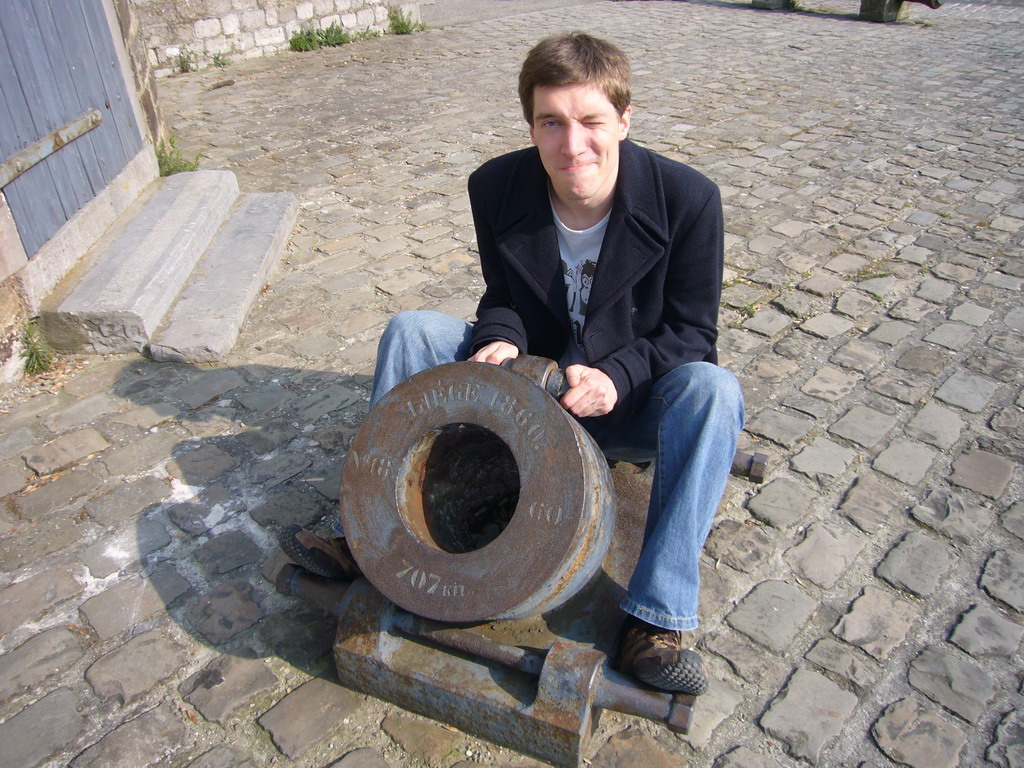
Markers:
(591, 392)
(496, 352)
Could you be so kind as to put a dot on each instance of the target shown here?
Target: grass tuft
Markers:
(170, 161)
(37, 353)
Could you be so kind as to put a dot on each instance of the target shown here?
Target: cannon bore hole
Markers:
(462, 488)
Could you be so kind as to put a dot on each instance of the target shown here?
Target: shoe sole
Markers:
(686, 675)
(301, 556)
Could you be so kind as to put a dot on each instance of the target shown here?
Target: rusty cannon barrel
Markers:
(469, 494)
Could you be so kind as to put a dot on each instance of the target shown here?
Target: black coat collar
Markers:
(636, 238)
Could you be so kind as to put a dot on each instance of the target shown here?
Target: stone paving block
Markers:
(130, 671)
(826, 326)
(717, 704)
(225, 611)
(124, 549)
(913, 736)
(797, 304)
(631, 745)
(30, 598)
(1005, 750)
(226, 757)
(66, 450)
(897, 388)
(147, 740)
(146, 416)
(953, 515)
(143, 454)
(127, 501)
(937, 291)
(958, 684)
(823, 460)
(879, 287)
(912, 309)
(743, 546)
(746, 658)
(772, 614)
(970, 313)
(916, 564)
(204, 386)
(825, 553)
(846, 264)
(857, 355)
(845, 660)
(877, 622)
(925, 359)
(812, 406)
(1003, 578)
(985, 631)
(936, 426)
(782, 503)
(329, 399)
(891, 332)
(967, 391)
(28, 738)
(308, 715)
(823, 285)
(864, 426)
(782, 428)
(854, 304)
(201, 466)
(905, 461)
(129, 603)
(830, 384)
(227, 551)
(15, 442)
(224, 685)
(58, 494)
(279, 468)
(1013, 520)
(955, 336)
(14, 476)
(809, 714)
(954, 272)
(768, 322)
(743, 757)
(85, 411)
(1010, 423)
(1002, 280)
(36, 659)
(987, 473)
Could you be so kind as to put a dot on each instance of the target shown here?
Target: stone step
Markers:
(121, 300)
(205, 320)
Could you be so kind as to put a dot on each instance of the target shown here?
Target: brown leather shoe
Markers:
(330, 558)
(660, 658)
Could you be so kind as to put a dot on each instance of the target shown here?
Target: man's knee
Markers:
(705, 388)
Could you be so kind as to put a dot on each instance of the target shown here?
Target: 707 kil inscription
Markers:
(428, 583)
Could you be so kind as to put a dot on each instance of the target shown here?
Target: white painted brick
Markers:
(348, 21)
(304, 11)
(326, 21)
(271, 17)
(205, 28)
(380, 13)
(364, 18)
(343, 5)
(322, 7)
(254, 20)
(216, 45)
(269, 36)
(229, 23)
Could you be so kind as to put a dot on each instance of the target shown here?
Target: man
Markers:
(608, 258)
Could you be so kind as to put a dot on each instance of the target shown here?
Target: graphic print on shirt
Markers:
(578, 279)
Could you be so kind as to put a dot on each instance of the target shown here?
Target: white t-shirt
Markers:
(579, 251)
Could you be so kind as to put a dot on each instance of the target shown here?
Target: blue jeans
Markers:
(688, 427)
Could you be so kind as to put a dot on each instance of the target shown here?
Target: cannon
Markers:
(496, 543)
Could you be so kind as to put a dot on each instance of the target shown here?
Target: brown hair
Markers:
(575, 58)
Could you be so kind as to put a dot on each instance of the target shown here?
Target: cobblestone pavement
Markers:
(862, 608)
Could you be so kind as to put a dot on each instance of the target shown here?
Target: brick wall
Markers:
(198, 30)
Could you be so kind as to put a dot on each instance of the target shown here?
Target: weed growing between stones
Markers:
(170, 161)
(35, 350)
(400, 24)
(185, 61)
(220, 61)
(309, 38)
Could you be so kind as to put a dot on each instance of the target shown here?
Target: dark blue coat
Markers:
(654, 300)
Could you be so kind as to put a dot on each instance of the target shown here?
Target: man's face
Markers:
(578, 130)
